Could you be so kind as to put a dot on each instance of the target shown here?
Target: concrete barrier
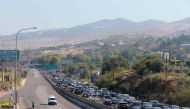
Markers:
(80, 101)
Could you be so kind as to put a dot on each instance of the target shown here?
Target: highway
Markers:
(38, 89)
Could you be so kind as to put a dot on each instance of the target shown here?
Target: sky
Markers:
(53, 14)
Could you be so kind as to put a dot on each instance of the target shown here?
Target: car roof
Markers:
(51, 96)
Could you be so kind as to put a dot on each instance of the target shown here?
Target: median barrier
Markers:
(80, 101)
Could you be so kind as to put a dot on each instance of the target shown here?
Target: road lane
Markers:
(38, 89)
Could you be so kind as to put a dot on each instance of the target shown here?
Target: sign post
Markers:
(10, 55)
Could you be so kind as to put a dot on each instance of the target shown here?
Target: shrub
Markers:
(149, 64)
(183, 97)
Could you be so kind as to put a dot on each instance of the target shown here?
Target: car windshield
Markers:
(119, 97)
(107, 97)
(113, 95)
(52, 98)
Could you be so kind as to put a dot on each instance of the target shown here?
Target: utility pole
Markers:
(166, 69)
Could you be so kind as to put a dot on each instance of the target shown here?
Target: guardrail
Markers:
(80, 101)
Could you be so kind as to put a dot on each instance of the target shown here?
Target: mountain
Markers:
(184, 21)
(97, 30)
(151, 23)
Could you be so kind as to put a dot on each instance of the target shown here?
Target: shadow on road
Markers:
(43, 104)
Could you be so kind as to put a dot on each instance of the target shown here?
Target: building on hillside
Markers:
(179, 65)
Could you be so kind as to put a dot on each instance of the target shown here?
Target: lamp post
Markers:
(16, 66)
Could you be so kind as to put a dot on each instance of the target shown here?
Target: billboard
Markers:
(9, 54)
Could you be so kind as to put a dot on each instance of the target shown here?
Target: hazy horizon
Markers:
(45, 14)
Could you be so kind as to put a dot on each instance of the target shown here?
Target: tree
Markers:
(84, 71)
(149, 64)
(128, 54)
(114, 63)
(54, 60)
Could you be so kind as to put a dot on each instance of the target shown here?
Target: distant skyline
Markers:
(53, 14)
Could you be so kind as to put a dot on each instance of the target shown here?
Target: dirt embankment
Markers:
(6, 88)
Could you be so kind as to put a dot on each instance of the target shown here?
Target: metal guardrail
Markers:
(80, 101)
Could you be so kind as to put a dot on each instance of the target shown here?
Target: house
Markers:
(179, 65)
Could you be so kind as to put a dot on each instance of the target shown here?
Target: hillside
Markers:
(97, 30)
(151, 86)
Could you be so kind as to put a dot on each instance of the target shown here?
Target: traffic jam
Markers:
(105, 96)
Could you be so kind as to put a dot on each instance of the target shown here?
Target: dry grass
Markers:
(64, 52)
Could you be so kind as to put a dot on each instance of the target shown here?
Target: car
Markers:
(185, 108)
(122, 105)
(113, 97)
(114, 100)
(125, 97)
(95, 87)
(94, 97)
(106, 100)
(106, 92)
(120, 98)
(165, 107)
(77, 91)
(135, 107)
(85, 94)
(154, 108)
(154, 103)
(99, 93)
(146, 105)
(52, 100)
(134, 104)
(174, 107)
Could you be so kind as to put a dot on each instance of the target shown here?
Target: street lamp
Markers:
(15, 94)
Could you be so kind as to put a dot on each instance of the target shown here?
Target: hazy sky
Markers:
(48, 14)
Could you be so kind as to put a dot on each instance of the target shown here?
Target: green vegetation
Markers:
(183, 97)
(148, 79)
(111, 70)
(114, 64)
(116, 84)
(174, 92)
(48, 61)
(128, 69)
(149, 64)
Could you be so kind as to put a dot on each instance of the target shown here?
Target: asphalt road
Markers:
(38, 89)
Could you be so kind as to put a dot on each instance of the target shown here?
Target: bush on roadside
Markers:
(183, 97)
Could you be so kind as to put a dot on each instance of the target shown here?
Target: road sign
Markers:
(9, 54)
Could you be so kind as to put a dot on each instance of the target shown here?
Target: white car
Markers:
(52, 100)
